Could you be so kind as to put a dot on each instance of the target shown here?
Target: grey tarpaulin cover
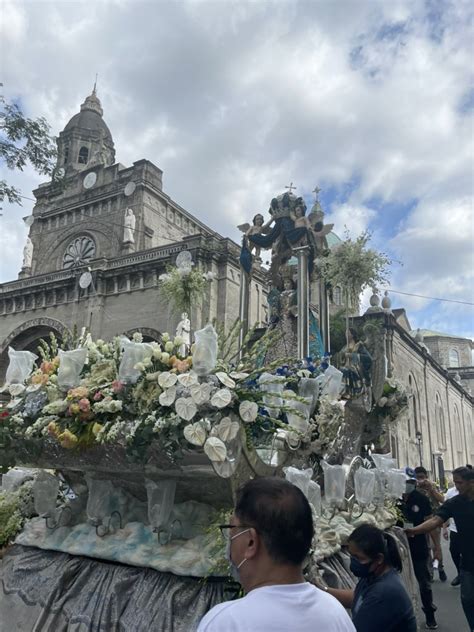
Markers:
(47, 591)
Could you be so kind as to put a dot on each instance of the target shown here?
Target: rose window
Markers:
(79, 252)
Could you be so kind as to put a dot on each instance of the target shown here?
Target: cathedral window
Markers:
(453, 358)
(83, 156)
(79, 252)
(66, 154)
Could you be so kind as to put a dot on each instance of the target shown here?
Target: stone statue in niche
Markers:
(183, 330)
(129, 227)
(101, 155)
(27, 253)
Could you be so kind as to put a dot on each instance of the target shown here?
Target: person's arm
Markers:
(425, 527)
(344, 596)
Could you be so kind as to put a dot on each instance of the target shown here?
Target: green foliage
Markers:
(354, 267)
(337, 327)
(182, 291)
(23, 141)
(15, 507)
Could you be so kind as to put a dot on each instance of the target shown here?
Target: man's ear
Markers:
(254, 544)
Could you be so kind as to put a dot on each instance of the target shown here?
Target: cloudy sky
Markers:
(372, 101)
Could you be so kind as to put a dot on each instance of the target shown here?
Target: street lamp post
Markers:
(419, 441)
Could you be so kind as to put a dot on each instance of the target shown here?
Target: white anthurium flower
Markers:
(167, 379)
(188, 379)
(195, 433)
(221, 398)
(248, 411)
(201, 393)
(215, 449)
(186, 408)
(226, 429)
(168, 396)
(16, 389)
(239, 375)
(225, 379)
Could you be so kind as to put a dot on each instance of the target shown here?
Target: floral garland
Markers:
(168, 402)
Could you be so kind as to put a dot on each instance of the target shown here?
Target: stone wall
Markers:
(124, 296)
(440, 409)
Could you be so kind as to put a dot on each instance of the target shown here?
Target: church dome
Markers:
(90, 117)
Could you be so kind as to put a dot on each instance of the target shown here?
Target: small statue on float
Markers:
(356, 365)
(183, 330)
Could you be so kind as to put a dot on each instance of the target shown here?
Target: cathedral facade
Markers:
(100, 236)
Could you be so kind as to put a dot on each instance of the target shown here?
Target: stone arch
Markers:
(149, 334)
(27, 336)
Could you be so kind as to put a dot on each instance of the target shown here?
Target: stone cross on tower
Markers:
(290, 187)
(316, 192)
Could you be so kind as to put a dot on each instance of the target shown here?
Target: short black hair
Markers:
(373, 541)
(465, 473)
(420, 470)
(281, 514)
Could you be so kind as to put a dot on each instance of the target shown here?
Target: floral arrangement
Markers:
(182, 286)
(354, 267)
(130, 393)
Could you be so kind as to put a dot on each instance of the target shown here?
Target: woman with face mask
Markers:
(379, 600)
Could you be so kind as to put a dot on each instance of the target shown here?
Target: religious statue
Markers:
(284, 321)
(129, 227)
(295, 239)
(258, 227)
(183, 330)
(101, 155)
(27, 253)
(356, 364)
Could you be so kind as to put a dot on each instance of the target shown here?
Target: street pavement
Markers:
(450, 615)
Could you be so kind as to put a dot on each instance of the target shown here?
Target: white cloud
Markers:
(233, 100)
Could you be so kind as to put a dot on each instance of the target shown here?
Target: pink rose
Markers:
(117, 386)
(98, 396)
(84, 405)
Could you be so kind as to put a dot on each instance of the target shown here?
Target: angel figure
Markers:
(319, 230)
(257, 227)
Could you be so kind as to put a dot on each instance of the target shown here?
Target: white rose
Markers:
(157, 353)
(165, 337)
(178, 341)
(165, 358)
(169, 346)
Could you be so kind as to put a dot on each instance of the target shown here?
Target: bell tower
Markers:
(86, 140)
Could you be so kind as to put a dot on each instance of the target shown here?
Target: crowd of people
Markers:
(268, 542)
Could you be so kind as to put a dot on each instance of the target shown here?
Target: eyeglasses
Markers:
(225, 528)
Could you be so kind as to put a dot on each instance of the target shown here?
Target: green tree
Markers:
(23, 141)
(354, 266)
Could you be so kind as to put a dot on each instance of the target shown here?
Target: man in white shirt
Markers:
(453, 537)
(268, 539)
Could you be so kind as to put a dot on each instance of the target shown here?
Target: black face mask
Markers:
(359, 569)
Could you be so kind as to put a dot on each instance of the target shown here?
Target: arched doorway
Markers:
(27, 336)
